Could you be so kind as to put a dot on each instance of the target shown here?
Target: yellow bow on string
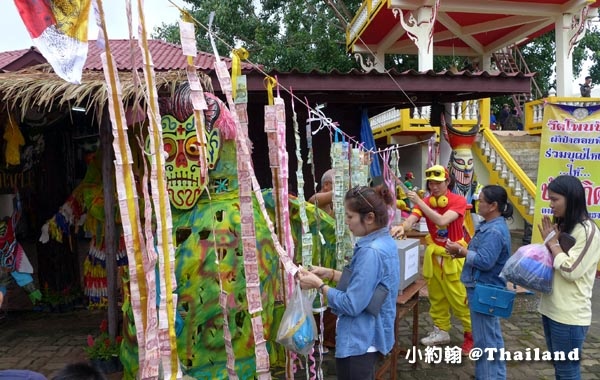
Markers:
(270, 83)
(236, 67)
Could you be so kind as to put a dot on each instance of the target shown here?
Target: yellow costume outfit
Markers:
(441, 271)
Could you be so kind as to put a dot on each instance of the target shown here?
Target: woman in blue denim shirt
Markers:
(486, 255)
(362, 334)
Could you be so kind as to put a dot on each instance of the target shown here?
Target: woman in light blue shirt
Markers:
(365, 327)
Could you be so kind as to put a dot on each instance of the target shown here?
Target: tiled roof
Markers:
(394, 72)
(165, 56)
(393, 86)
(11, 56)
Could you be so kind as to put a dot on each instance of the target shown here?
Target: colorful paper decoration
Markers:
(59, 30)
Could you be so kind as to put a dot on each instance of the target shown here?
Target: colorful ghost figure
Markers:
(461, 167)
(461, 159)
(209, 229)
(185, 179)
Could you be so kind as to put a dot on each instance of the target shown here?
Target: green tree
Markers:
(589, 48)
(280, 34)
(310, 34)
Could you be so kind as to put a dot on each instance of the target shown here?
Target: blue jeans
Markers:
(487, 333)
(360, 367)
(564, 338)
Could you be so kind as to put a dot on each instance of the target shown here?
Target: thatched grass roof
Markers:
(39, 88)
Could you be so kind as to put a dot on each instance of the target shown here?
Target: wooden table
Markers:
(407, 301)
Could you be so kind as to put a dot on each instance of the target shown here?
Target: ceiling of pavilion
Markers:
(462, 27)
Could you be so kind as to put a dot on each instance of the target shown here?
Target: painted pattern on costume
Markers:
(200, 341)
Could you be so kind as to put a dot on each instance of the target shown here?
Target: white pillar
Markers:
(424, 15)
(564, 60)
(485, 62)
(445, 148)
(380, 62)
(420, 29)
(425, 60)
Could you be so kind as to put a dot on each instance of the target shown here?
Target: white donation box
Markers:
(408, 252)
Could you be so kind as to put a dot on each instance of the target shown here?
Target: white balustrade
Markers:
(474, 108)
(525, 199)
(499, 164)
(511, 180)
(518, 190)
(531, 206)
(504, 172)
(384, 118)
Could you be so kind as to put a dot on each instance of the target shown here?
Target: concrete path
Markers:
(522, 331)
(45, 342)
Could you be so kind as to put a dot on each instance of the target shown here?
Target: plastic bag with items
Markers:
(530, 267)
(298, 329)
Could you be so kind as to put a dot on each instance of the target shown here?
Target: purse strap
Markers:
(588, 241)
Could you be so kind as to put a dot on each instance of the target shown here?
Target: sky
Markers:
(14, 36)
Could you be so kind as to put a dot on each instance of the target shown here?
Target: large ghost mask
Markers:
(182, 164)
(461, 159)
(185, 182)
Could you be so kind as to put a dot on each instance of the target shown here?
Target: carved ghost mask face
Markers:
(462, 170)
(182, 167)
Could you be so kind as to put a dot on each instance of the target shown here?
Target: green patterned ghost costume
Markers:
(207, 228)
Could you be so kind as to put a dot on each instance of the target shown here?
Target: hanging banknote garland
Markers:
(307, 239)
(278, 158)
(389, 180)
(393, 164)
(245, 176)
(359, 166)
(152, 329)
(127, 200)
(249, 251)
(188, 43)
(306, 243)
(141, 263)
(313, 115)
(341, 183)
(188, 40)
(248, 236)
(164, 342)
(125, 191)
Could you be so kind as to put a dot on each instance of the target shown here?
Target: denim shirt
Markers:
(488, 251)
(375, 261)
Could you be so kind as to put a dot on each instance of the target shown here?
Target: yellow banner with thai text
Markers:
(570, 145)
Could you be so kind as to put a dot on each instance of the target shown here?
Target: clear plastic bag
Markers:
(530, 267)
(298, 329)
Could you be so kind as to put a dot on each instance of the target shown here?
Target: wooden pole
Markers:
(110, 230)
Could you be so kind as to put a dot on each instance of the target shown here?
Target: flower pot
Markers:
(111, 365)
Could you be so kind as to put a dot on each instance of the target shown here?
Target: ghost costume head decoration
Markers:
(183, 164)
(461, 159)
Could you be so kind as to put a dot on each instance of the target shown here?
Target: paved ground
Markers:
(522, 331)
(45, 342)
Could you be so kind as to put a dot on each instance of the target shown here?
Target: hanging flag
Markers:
(59, 31)
(366, 137)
